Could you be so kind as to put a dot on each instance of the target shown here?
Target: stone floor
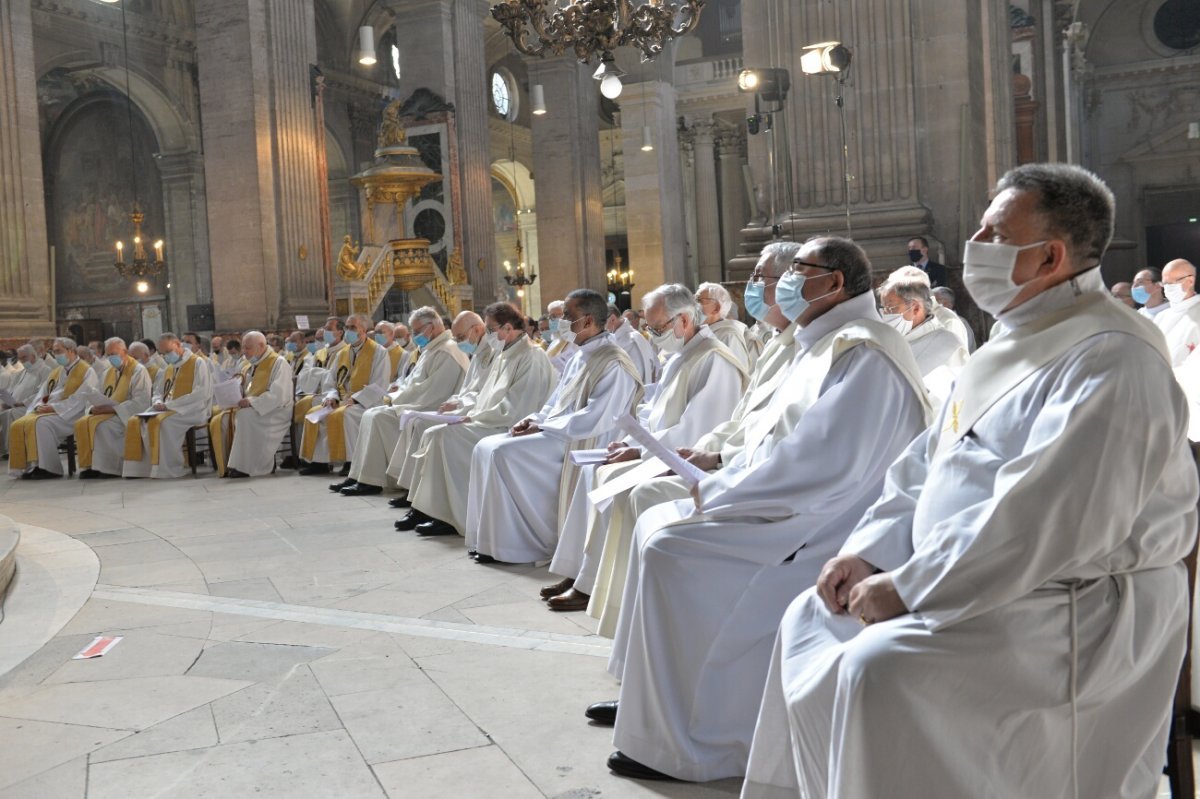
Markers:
(283, 642)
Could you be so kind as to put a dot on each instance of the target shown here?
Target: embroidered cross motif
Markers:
(955, 409)
(1191, 347)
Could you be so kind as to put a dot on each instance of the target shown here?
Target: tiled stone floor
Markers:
(283, 642)
(280, 641)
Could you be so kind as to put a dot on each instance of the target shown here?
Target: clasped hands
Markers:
(525, 427)
(619, 452)
(849, 585)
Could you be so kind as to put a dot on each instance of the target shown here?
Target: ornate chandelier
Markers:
(596, 27)
(523, 276)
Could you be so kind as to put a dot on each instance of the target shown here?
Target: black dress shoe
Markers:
(361, 490)
(400, 501)
(89, 474)
(289, 463)
(624, 766)
(235, 473)
(345, 472)
(435, 527)
(557, 588)
(411, 521)
(569, 601)
(603, 714)
(39, 473)
(340, 484)
(472, 554)
(314, 468)
(488, 560)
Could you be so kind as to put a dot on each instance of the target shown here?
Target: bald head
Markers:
(254, 344)
(468, 328)
(1179, 280)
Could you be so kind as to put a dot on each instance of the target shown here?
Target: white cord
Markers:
(1074, 689)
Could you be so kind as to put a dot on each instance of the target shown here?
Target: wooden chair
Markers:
(68, 446)
(194, 456)
(1180, 770)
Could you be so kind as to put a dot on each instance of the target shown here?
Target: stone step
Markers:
(9, 538)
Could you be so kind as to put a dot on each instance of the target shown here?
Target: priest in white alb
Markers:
(521, 481)
(154, 444)
(639, 350)
(701, 384)
(245, 437)
(1180, 323)
(716, 304)
(711, 576)
(606, 555)
(23, 388)
(33, 439)
(438, 373)
(1009, 618)
(469, 332)
(907, 304)
(516, 385)
(100, 433)
(355, 382)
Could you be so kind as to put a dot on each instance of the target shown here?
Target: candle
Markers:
(158, 250)
(120, 252)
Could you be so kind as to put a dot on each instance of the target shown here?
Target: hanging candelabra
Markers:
(519, 276)
(619, 280)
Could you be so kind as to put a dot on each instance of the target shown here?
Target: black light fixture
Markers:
(769, 85)
(833, 59)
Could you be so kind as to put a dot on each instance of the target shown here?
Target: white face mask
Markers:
(988, 273)
(1174, 292)
(903, 326)
(493, 341)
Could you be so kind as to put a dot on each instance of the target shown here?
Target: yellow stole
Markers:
(347, 381)
(116, 388)
(221, 426)
(304, 404)
(396, 353)
(177, 383)
(22, 435)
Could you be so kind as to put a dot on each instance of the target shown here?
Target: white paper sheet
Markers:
(302, 322)
(648, 469)
(227, 394)
(317, 414)
(691, 474)
(149, 414)
(585, 457)
(369, 395)
(408, 417)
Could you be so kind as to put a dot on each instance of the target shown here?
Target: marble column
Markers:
(188, 267)
(566, 168)
(731, 153)
(687, 165)
(708, 214)
(655, 230)
(260, 161)
(26, 285)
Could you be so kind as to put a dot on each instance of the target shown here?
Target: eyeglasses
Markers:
(756, 279)
(658, 331)
(797, 265)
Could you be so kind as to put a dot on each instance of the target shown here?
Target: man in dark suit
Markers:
(918, 256)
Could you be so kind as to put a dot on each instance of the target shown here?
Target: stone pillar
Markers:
(566, 150)
(26, 285)
(708, 215)
(687, 165)
(260, 161)
(657, 246)
(527, 230)
(731, 153)
(188, 267)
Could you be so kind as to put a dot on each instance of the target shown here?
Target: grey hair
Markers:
(676, 299)
(556, 305)
(385, 324)
(782, 254)
(168, 337)
(1072, 202)
(425, 313)
(910, 273)
(845, 256)
(361, 319)
(67, 343)
(910, 291)
(719, 293)
(591, 303)
(253, 335)
(138, 348)
(115, 340)
(27, 349)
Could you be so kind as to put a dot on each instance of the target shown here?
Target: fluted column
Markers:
(566, 166)
(657, 246)
(260, 160)
(687, 165)
(189, 269)
(708, 214)
(26, 293)
(731, 152)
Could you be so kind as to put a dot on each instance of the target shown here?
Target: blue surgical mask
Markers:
(381, 339)
(292, 346)
(313, 347)
(467, 347)
(756, 306)
(328, 337)
(789, 295)
(421, 340)
(351, 337)
(61, 360)
(1140, 295)
(116, 361)
(171, 357)
(254, 361)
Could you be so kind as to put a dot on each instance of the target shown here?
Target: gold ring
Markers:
(863, 620)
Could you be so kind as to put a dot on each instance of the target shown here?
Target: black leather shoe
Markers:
(345, 472)
(39, 473)
(314, 468)
(235, 473)
(400, 501)
(435, 527)
(488, 560)
(624, 766)
(556, 589)
(411, 521)
(89, 474)
(289, 463)
(569, 601)
(340, 484)
(361, 490)
(603, 714)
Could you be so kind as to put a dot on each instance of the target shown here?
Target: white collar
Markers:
(1053, 299)
(860, 307)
